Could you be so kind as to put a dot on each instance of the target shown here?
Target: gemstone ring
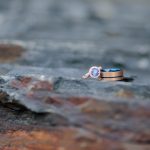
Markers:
(94, 72)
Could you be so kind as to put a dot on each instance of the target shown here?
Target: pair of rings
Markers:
(110, 74)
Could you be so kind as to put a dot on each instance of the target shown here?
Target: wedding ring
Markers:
(112, 79)
(111, 73)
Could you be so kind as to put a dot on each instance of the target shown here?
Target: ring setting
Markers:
(94, 72)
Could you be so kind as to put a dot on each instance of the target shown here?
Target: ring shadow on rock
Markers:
(129, 79)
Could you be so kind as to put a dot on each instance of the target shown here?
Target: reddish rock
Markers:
(42, 86)
(10, 52)
(21, 82)
(54, 101)
(125, 94)
(79, 100)
(60, 139)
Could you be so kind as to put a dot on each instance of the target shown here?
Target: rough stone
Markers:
(45, 48)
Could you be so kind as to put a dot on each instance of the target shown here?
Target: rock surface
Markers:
(45, 48)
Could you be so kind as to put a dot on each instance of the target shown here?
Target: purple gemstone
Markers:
(94, 72)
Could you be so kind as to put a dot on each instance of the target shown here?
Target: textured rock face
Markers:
(45, 48)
